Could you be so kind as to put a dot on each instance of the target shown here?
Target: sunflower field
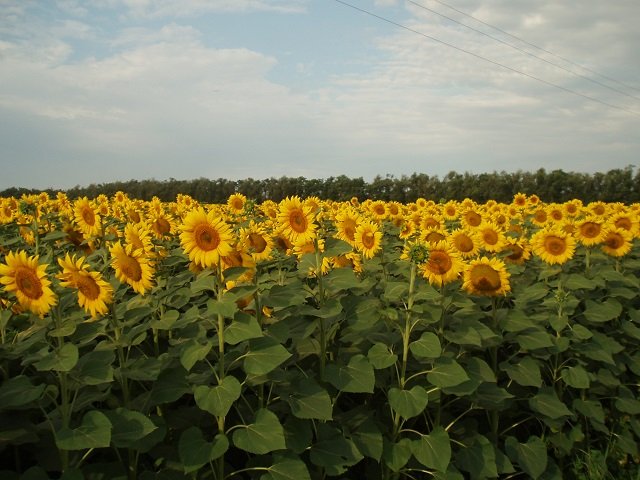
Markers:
(309, 339)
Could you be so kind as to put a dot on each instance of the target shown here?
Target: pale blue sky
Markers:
(103, 90)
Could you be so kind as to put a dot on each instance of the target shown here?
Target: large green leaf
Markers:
(263, 436)
(170, 386)
(433, 450)
(243, 327)
(219, 399)
(128, 427)
(335, 454)
(18, 391)
(427, 346)
(396, 455)
(195, 451)
(534, 338)
(93, 432)
(576, 377)
(531, 456)
(62, 359)
(286, 467)
(478, 458)
(264, 355)
(192, 352)
(547, 403)
(95, 368)
(381, 357)
(447, 372)
(368, 439)
(602, 312)
(408, 403)
(355, 377)
(526, 372)
(310, 400)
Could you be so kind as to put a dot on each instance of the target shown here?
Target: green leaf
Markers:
(18, 391)
(396, 455)
(355, 377)
(192, 352)
(525, 373)
(534, 338)
(580, 332)
(264, 355)
(368, 439)
(590, 408)
(243, 327)
(479, 459)
(395, 291)
(170, 386)
(287, 295)
(95, 368)
(427, 346)
(602, 312)
(219, 399)
(576, 377)
(577, 281)
(531, 456)
(128, 427)
(263, 436)
(334, 247)
(226, 307)
(433, 450)
(93, 432)
(340, 279)
(195, 451)
(408, 403)
(547, 403)
(60, 360)
(381, 357)
(335, 454)
(447, 372)
(628, 405)
(287, 467)
(166, 320)
(310, 400)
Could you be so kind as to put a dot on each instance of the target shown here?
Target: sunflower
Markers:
(28, 279)
(443, 264)
(553, 245)
(471, 218)
(555, 212)
(162, 225)
(617, 242)
(132, 267)
(520, 200)
(465, 242)
(519, 248)
(626, 220)
(296, 220)
(394, 209)
(86, 217)
(378, 210)
(429, 222)
(572, 207)
(347, 220)
(368, 239)
(590, 231)
(205, 237)
(597, 208)
(540, 217)
(488, 277)
(94, 293)
(407, 229)
(491, 237)
(348, 260)
(138, 236)
(236, 203)
(257, 242)
(433, 235)
(450, 210)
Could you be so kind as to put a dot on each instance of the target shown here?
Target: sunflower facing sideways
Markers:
(368, 239)
(553, 245)
(617, 242)
(205, 237)
(28, 280)
(487, 277)
(132, 267)
(94, 293)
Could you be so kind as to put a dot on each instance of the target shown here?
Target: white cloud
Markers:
(186, 8)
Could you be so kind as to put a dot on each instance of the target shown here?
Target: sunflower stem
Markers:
(323, 339)
(65, 411)
(494, 415)
(220, 419)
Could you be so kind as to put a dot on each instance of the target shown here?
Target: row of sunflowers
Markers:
(449, 241)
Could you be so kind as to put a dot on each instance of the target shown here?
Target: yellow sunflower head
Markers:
(590, 231)
(94, 293)
(491, 237)
(368, 239)
(443, 264)
(132, 267)
(465, 242)
(236, 203)
(28, 280)
(487, 277)
(87, 217)
(519, 250)
(553, 245)
(205, 237)
(297, 220)
(617, 242)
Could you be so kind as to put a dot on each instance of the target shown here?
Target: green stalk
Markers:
(494, 416)
(65, 404)
(221, 366)
(321, 293)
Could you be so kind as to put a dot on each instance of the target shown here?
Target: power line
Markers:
(468, 52)
(539, 48)
(524, 51)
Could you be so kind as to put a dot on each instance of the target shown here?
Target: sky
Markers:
(97, 91)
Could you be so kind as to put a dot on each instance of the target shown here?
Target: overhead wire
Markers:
(469, 52)
(537, 47)
(522, 50)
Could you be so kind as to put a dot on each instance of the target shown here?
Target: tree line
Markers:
(617, 185)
